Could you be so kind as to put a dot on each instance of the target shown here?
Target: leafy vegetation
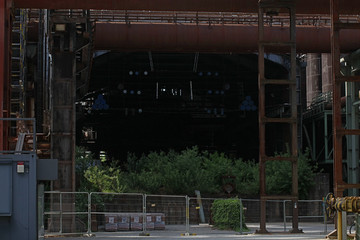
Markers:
(226, 214)
(186, 171)
(279, 175)
(95, 177)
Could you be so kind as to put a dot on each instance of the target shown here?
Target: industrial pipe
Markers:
(302, 6)
(213, 38)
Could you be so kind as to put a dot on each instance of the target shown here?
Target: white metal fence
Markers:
(81, 212)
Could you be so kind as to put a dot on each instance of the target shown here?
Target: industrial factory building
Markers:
(247, 78)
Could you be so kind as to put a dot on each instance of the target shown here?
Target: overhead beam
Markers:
(214, 38)
(251, 6)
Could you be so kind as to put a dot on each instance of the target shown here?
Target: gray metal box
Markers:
(18, 220)
(47, 169)
(6, 188)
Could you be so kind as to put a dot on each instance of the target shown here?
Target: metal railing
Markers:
(319, 213)
(133, 16)
(129, 16)
(67, 207)
(85, 213)
(21, 125)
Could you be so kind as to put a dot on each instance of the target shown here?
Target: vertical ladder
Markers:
(18, 66)
(266, 6)
(338, 80)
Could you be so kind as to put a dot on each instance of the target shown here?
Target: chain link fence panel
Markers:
(82, 212)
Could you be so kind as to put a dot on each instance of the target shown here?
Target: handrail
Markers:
(133, 16)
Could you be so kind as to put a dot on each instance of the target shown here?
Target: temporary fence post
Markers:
(241, 211)
(357, 230)
(89, 213)
(324, 214)
(41, 211)
(61, 212)
(284, 210)
(144, 214)
(187, 233)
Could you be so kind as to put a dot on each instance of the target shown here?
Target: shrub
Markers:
(94, 177)
(279, 175)
(189, 170)
(247, 177)
(171, 173)
(105, 179)
(217, 165)
(226, 214)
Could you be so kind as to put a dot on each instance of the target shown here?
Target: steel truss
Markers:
(338, 80)
(270, 7)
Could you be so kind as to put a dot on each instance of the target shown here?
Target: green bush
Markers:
(226, 214)
(217, 165)
(170, 173)
(105, 179)
(189, 170)
(247, 177)
(279, 175)
(95, 177)
(246, 173)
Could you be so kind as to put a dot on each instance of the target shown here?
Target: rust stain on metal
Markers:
(303, 6)
(217, 38)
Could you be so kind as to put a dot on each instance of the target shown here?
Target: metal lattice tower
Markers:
(18, 66)
(338, 80)
(273, 7)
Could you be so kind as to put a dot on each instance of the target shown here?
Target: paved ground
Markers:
(312, 231)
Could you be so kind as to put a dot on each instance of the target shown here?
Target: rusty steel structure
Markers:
(5, 59)
(217, 38)
(308, 39)
(290, 44)
(338, 79)
(179, 31)
(303, 6)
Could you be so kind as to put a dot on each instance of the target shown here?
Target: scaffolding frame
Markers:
(337, 80)
(264, 7)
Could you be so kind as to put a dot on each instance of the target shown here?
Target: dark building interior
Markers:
(147, 101)
(125, 76)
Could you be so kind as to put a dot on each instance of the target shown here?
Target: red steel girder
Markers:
(214, 38)
(302, 6)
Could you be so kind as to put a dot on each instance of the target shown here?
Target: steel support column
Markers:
(264, 7)
(3, 63)
(335, 58)
(352, 121)
(5, 36)
(337, 81)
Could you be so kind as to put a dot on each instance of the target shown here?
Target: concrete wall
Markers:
(326, 72)
(313, 77)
